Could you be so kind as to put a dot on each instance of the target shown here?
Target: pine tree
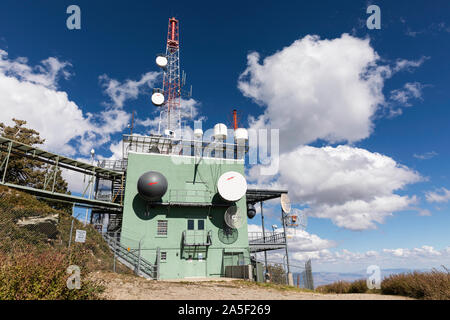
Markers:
(26, 171)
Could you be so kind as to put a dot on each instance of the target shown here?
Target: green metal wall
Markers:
(192, 183)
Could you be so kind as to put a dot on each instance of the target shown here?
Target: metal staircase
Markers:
(114, 222)
(118, 192)
(132, 259)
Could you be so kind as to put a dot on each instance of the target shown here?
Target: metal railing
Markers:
(104, 195)
(193, 196)
(132, 258)
(193, 238)
(301, 274)
(175, 146)
(115, 165)
(266, 238)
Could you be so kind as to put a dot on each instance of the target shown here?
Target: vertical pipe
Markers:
(54, 175)
(114, 246)
(91, 184)
(283, 218)
(235, 119)
(158, 262)
(71, 228)
(139, 259)
(264, 235)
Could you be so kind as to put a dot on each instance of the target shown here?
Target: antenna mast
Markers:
(169, 97)
(172, 81)
(235, 122)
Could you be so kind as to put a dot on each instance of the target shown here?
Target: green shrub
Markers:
(35, 274)
(358, 286)
(335, 287)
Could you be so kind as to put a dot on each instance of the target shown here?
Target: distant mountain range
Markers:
(321, 278)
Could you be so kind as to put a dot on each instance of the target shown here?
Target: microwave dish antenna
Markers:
(233, 217)
(285, 203)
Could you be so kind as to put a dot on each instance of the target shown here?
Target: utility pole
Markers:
(132, 123)
(91, 182)
(283, 220)
(71, 229)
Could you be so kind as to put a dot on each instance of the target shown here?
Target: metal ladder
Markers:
(133, 260)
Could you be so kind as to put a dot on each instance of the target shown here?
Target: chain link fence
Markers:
(33, 234)
(276, 272)
(38, 244)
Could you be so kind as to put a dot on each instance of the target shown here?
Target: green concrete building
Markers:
(186, 232)
(187, 227)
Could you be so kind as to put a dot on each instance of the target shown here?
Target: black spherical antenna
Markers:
(152, 186)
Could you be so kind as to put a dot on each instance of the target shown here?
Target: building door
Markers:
(232, 259)
(195, 256)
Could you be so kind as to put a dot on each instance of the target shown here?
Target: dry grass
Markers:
(335, 287)
(434, 285)
(270, 285)
(33, 266)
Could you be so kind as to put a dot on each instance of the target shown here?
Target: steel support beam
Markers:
(7, 161)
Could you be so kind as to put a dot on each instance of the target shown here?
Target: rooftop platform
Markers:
(260, 242)
(187, 147)
(259, 195)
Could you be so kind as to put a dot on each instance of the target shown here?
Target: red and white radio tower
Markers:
(172, 81)
(170, 97)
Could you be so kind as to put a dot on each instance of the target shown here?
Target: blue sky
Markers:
(118, 42)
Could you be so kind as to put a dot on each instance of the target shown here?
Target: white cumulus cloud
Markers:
(319, 89)
(330, 90)
(353, 187)
(439, 196)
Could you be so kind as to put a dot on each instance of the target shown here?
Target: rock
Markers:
(46, 225)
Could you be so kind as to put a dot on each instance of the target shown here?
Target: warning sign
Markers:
(80, 236)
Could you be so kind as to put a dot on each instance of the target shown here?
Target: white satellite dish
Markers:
(285, 203)
(233, 217)
(232, 186)
(158, 99)
(161, 61)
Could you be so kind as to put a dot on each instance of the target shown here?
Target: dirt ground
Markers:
(130, 287)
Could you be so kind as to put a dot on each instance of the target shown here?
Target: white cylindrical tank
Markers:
(220, 132)
(241, 136)
(198, 133)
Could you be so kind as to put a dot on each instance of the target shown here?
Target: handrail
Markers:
(187, 147)
(266, 237)
(199, 234)
(182, 195)
(129, 256)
